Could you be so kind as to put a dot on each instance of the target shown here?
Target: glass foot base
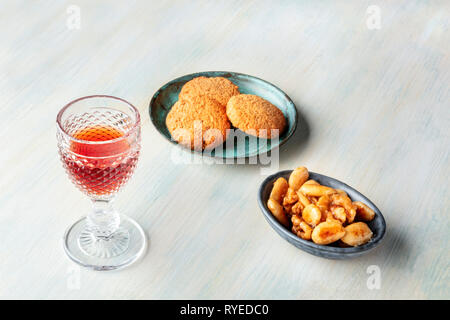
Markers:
(119, 250)
(104, 247)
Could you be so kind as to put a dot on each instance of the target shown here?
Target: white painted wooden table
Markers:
(374, 105)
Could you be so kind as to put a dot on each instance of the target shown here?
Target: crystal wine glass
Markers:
(99, 142)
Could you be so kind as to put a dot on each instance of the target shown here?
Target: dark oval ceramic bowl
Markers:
(377, 225)
(164, 98)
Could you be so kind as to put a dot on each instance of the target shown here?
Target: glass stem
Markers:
(103, 221)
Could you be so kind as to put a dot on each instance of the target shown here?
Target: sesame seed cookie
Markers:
(198, 122)
(255, 115)
(217, 88)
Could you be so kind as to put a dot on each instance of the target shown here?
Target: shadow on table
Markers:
(294, 146)
(396, 248)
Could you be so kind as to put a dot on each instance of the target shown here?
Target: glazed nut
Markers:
(345, 202)
(312, 215)
(327, 232)
(303, 199)
(278, 212)
(298, 177)
(324, 201)
(288, 209)
(314, 199)
(356, 234)
(279, 189)
(297, 208)
(291, 197)
(312, 190)
(342, 192)
(331, 218)
(312, 181)
(363, 212)
(324, 215)
(301, 228)
(338, 213)
(324, 205)
(296, 219)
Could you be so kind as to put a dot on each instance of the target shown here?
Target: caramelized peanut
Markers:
(288, 209)
(278, 212)
(363, 212)
(331, 218)
(344, 201)
(338, 213)
(342, 192)
(301, 228)
(356, 234)
(312, 215)
(298, 177)
(327, 232)
(303, 199)
(279, 189)
(311, 181)
(298, 208)
(323, 204)
(291, 197)
(312, 190)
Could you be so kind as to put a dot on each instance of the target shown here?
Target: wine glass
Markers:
(99, 143)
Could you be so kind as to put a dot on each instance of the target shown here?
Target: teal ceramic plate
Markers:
(244, 145)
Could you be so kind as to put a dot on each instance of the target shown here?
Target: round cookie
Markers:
(198, 123)
(255, 115)
(217, 88)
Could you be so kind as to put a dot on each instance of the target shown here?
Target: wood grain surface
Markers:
(374, 107)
